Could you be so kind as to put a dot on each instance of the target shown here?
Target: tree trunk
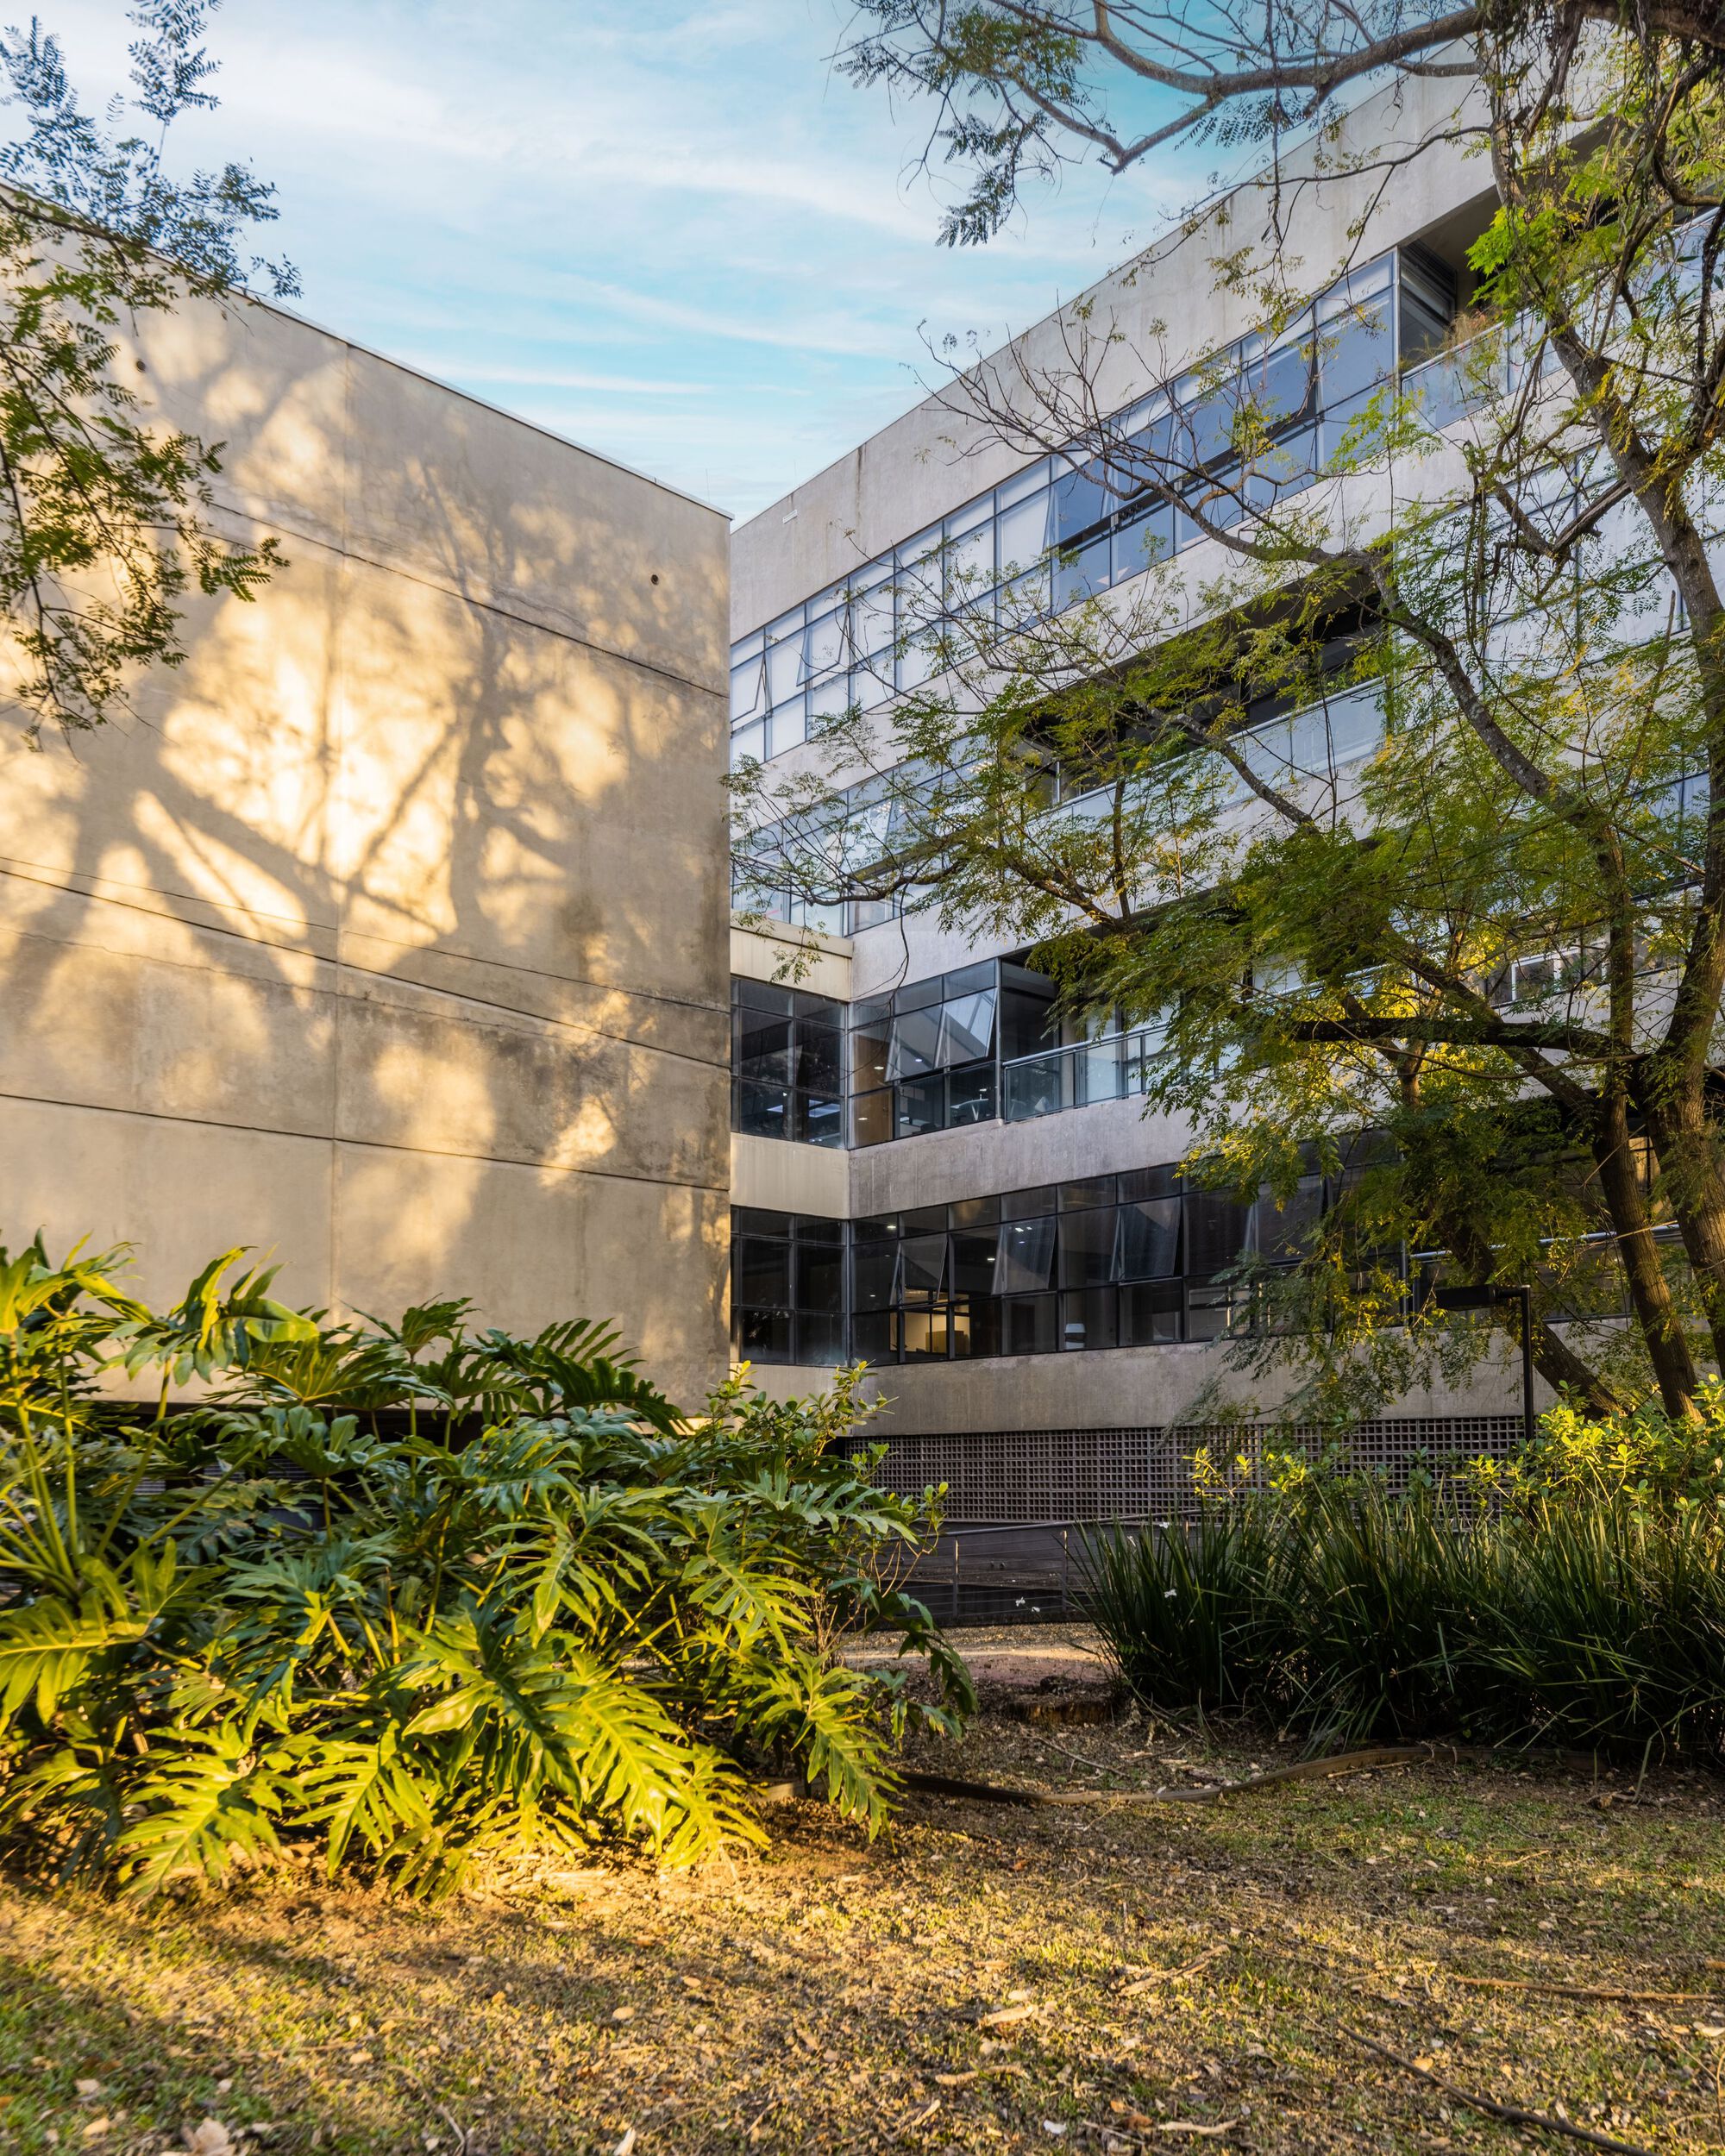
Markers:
(1688, 1152)
(1650, 1295)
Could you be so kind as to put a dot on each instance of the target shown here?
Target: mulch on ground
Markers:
(1106, 1978)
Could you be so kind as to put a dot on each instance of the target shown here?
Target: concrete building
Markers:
(389, 937)
(925, 1173)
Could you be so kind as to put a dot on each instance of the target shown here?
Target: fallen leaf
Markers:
(622, 2013)
(626, 2146)
(957, 2081)
(87, 2089)
(1003, 2016)
(1192, 2126)
(1055, 2127)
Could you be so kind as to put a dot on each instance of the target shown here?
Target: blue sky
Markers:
(665, 229)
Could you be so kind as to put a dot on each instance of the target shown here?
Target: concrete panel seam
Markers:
(376, 972)
(360, 1144)
(719, 692)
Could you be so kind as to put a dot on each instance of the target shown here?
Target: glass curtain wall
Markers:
(1060, 529)
(786, 1063)
(787, 1287)
(1128, 1260)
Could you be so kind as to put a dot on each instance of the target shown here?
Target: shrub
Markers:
(1575, 1595)
(423, 1593)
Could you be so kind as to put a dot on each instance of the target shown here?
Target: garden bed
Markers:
(1157, 1977)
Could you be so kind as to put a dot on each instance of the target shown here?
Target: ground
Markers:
(1158, 1976)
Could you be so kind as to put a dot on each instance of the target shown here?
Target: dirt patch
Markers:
(1108, 1978)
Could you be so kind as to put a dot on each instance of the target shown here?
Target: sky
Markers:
(667, 230)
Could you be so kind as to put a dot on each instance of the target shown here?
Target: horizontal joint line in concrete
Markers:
(451, 590)
(377, 973)
(359, 1144)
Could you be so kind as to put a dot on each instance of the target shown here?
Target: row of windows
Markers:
(1058, 531)
(1112, 1261)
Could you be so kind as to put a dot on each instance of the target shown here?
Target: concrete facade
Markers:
(1165, 310)
(388, 936)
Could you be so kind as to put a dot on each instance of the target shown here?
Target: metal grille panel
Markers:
(1078, 1475)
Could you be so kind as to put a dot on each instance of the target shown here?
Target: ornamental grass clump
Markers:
(1573, 1595)
(417, 1592)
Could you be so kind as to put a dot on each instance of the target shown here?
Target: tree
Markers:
(1541, 617)
(104, 511)
(1021, 88)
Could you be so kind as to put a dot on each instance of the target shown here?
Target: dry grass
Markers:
(831, 1996)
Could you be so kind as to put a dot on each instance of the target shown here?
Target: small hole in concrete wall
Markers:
(655, 576)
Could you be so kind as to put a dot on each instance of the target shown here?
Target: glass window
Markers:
(747, 691)
(1150, 1315)
(747, 742)
(1022, 484)
(820, 1276)
(819, 1120)
(1030, 1324)
(1089, 1320)
(1150, 1183)
(970, 1096)
(1037, 1087)
(872, 629)
(1216, 1231)
(873, 1269)
(872, 1338)
(1281, 1233)
(1025, 1255)
(785, 667)
(763, 1272)
(762, 1045)
(871, 1117)
(1149, 1240)
(974, 1255)
(1087, 1248)
(915, 1042)
(1082, 499)
(969, 555)
(763, 995)
(923, 1333)
(825, 647)
(919, 1105)
(923, 1220)
(1094, 1190)
(761, 1110)
(764, 1336)
(975, 1212)
(1025, 535)
(1023, 1204)
(819, 1057)
(820, 1338)
(1083, 575)
(789, 724)
(967, 1028)
(923, 1265)
(1147, 537)
(1355, 353)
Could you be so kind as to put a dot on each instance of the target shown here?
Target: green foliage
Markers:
(103, 507)
(421, 1593)
(1576, 1597)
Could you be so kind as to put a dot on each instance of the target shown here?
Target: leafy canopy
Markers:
(107, 512)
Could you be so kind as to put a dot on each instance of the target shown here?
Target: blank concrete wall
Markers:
(389, 933)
